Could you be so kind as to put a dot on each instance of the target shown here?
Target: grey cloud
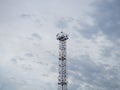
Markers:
(82, 70)
(39, 62)
(7, 84)
(106, 52)
(45, 75)
(111, 54)
(36, 36)
(25, 15)
(19, 58)
(51, 53)
(54, 68)
(84, 29)
(29, 55)
(63, 22)
(33, 19)
(107, 20)
(94, 74)
(108, 17)
(74, 86)
(27, 66)
(14, 60)
(88, 32)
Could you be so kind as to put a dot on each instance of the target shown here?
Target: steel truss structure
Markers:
(62, 78)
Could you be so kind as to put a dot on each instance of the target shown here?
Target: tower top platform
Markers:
(62, 36)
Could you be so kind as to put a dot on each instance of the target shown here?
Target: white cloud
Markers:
(29, 49)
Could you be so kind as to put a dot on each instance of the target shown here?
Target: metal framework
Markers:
(62, 78)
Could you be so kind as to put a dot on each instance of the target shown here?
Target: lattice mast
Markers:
(62, 78)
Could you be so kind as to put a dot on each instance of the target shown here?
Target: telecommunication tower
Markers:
(62, 78)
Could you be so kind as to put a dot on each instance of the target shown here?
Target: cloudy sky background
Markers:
(29, 49)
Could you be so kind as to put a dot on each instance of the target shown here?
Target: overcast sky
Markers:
(29, 49)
